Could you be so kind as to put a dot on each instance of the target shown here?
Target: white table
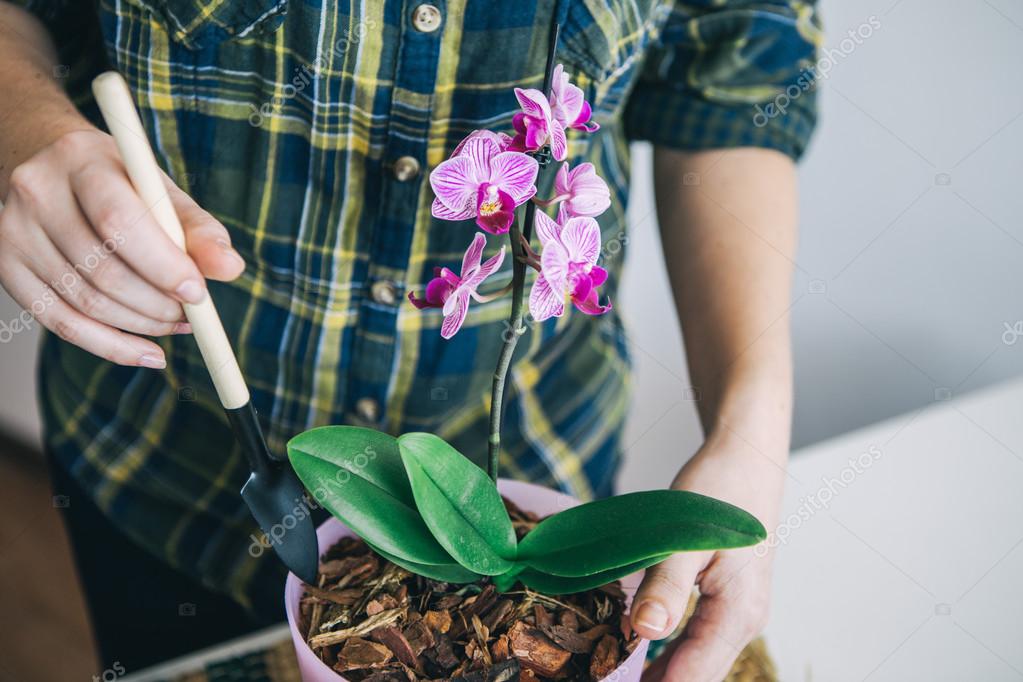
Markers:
(904, 568)
(914, 571)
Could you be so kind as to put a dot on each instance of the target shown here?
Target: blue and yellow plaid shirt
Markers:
(309, 129)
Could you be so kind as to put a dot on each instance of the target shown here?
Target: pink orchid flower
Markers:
(484, 182)
(536, 125)
(568, 268)
(451, 292)
(582, 191)
(568, 105)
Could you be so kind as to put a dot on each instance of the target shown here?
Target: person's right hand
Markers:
(82, 253)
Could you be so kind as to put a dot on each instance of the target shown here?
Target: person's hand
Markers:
(82, 253)
(734, 585)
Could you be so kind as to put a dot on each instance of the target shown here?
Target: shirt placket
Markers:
(404, 158)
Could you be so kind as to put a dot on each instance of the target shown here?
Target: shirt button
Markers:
(426, 18)
(367, 409)
(383, 292)
(406, 168)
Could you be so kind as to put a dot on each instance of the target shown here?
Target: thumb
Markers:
(663, 597)
(206, 239)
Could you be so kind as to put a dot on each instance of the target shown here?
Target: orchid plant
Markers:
(422, 504)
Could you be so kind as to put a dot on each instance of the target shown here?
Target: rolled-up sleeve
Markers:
(729, 73)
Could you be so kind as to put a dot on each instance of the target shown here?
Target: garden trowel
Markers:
(273, 492)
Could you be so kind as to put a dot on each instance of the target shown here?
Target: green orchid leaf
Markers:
(371, 454)
(357, 475)
(459, 503)
(629, 529)
(554, 584)
(506, 581)
(448, 573)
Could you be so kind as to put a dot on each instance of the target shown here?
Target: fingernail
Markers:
(191, 291)
(152, 361)
(229, 250)
(226, 246)
(182, 328)
(652, 615)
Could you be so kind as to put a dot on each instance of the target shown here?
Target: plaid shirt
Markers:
(309, 128)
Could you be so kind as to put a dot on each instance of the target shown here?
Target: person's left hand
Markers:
(735, 585)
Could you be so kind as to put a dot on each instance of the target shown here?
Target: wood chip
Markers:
(597, 631)
(363, 628)
(569, 620)
(481, 630)
(536, 651)
(345, 597)
(481, 603)
(419, 636)
(568, 639)
(500, 650)
(541, 616)
(501, 672)
(482, 637)
(499, 614)
(393, 638)
(443, 654)
(381, 603)
(439, 621)
(605, 658)
(387, 676)
(448, 601)
(354, 566)
(359, 653)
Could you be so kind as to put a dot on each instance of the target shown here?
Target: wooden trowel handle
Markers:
(118, 108)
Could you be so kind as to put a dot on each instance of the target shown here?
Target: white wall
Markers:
(18, 417)
(911, 207)
(910, 226)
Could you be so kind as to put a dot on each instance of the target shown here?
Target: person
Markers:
(297, 139)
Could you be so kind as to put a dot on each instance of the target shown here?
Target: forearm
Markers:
(729, 242)
(36, 110)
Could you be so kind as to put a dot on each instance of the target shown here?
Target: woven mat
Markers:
(277, 664)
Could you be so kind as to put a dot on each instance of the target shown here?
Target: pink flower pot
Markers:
(527, 496)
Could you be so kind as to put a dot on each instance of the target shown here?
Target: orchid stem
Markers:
(511, 336)
(515, 327)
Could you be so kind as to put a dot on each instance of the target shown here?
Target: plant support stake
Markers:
(515, 328)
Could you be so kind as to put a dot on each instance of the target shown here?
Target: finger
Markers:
(206, 239)
(60, 318)
(713, 638)
(69, 230)
(101, 265)
(663, 596)
(48, 264)
(117, 213)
